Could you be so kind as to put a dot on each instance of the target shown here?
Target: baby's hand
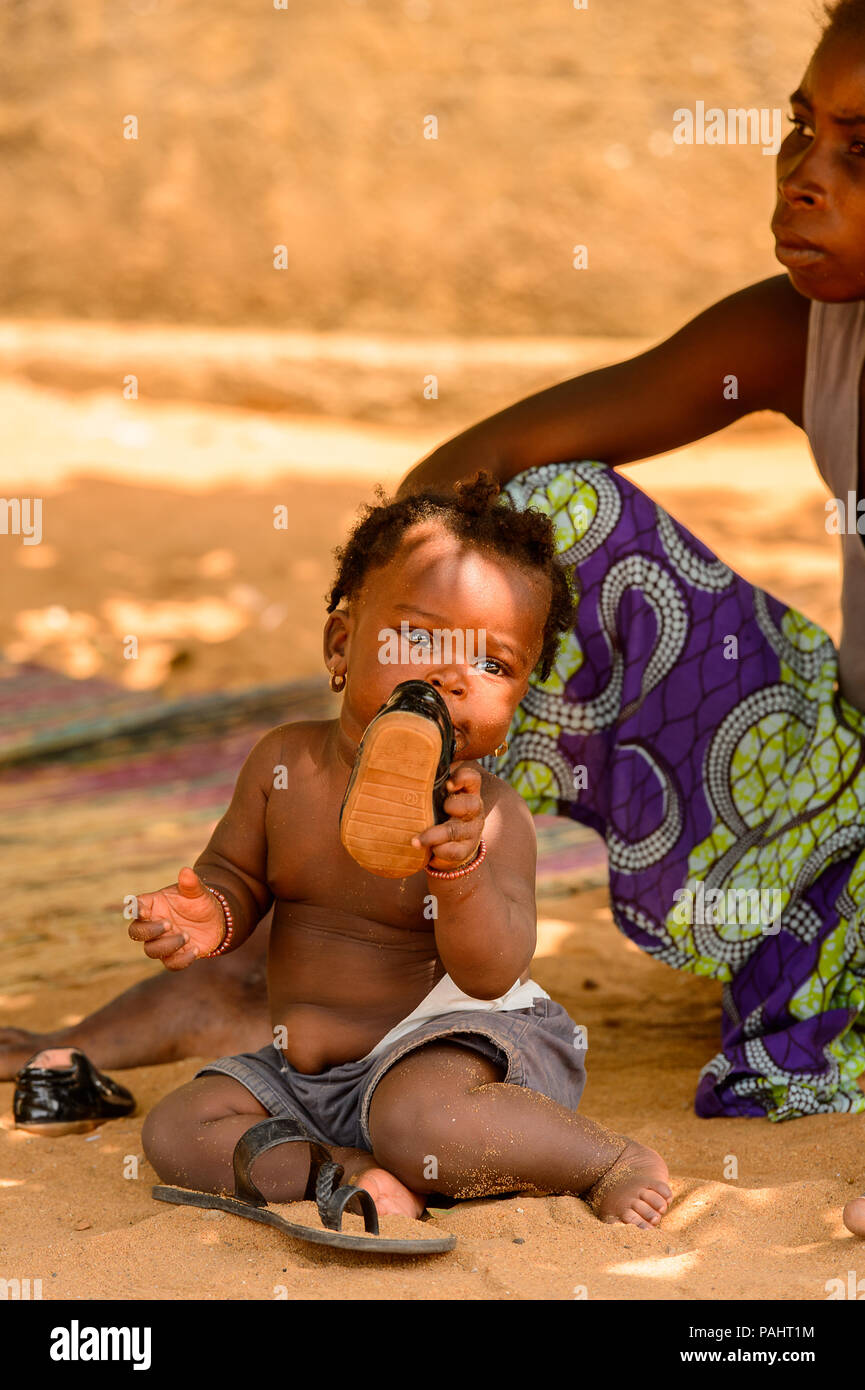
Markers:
(453, 842)
(179, 924)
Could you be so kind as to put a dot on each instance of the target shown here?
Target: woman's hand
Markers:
(455, 841)
(179, 924)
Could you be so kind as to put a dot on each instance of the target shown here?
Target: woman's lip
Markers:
(795, 256)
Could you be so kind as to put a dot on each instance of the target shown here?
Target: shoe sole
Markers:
(58, 1127)
(392, 796)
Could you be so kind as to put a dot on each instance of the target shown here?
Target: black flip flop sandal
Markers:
(330, 1198)
(397, 784)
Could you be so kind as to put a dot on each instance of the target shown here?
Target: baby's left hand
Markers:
(453, 842)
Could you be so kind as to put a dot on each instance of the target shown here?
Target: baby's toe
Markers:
(643, 1209)
(633, 1218)
(654, 1199)
(854, 1216)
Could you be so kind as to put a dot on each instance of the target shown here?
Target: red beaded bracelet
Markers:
(469, 868)
(229, 923)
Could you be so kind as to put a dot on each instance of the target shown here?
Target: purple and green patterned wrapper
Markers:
(695, 722)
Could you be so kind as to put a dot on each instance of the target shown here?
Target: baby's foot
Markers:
(854, 1216)
(53, 1058)
(634, 1190)
(391, 1197)
(17, 1047)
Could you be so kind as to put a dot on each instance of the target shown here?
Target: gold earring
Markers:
(501, 750)
(337, 683)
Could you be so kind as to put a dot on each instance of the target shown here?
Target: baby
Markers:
(409, 1037)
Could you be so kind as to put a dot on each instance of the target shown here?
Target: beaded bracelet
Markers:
(469, 868)
(229, 923)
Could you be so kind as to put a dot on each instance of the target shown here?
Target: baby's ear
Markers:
(337, 630)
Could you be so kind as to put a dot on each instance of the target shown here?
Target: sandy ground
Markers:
(77, 1211)
(221, 599)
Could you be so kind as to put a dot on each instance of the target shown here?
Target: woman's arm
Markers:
(660, 400)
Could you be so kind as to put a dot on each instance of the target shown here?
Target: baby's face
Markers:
(469, 623)
(821, 177)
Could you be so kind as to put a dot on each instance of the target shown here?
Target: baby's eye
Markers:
(419, 637)
(500, 669)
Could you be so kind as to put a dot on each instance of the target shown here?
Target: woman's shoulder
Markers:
(763, 329)
(773, 308)
(778, 294)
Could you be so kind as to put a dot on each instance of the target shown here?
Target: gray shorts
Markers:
(540, 1048)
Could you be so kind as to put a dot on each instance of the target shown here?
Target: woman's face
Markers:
(436, 584)
(819, 221)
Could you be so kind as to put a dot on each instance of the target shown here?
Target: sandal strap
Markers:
(331, 1211)
(267, 1134)
(330, 1198)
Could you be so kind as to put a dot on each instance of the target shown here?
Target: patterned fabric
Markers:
(695, 722)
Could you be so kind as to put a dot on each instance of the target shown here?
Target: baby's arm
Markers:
(486, 921)
(185, 922)
(662, 399)
(235, 860)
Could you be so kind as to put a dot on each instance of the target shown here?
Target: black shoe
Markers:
(397, 785)
(67, 1100)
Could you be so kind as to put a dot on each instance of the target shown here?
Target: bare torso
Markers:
(350, 953)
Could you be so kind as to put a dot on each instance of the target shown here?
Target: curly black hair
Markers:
(478, 513)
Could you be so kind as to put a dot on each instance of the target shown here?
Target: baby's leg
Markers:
(190, 1137)
(448, 1104)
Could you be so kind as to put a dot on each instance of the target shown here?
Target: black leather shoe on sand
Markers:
(397, 784)
(67, 1100)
